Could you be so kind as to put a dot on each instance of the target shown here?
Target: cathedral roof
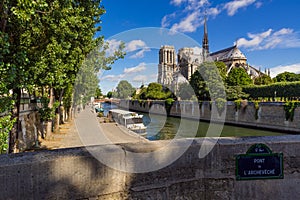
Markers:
(228, 54)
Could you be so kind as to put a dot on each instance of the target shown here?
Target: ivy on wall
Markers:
(289, 108)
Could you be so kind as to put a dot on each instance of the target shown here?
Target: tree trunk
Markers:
(57, 122)
(59, 109)
(14, 133)
(49, 123)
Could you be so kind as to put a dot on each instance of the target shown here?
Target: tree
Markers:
(43, 46)
(185, 91)
(263, 80)
(222, 69)
(98, 93)
(199, 86)
(207, 82)
(124, 89)
(156, 91)
(235, 93)
(287, 77)
(109, 94)
(238, 77)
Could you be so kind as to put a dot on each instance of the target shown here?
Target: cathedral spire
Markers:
(205, 45)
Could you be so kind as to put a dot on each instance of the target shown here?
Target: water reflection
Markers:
(163, 128)
(157, 131)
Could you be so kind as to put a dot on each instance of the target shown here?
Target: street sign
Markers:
(259, 163)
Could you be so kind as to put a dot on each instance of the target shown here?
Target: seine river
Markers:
(162, 128)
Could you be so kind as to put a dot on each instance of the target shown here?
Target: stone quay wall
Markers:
(30, 129)
(75, 174)
(269, 115)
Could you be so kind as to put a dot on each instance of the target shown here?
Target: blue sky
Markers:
(267, 32)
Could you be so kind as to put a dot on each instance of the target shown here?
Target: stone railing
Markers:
(75, 174)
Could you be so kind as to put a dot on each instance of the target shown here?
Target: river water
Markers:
(163, 128)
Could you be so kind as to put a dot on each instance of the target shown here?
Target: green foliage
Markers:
(199, 86)
(45, 112)
(238, 104)
(98, 93)
(168, 104)
(207, 82)
(287, 77)
(235, 92)
(256, 106)
(238, 77)
(169, 101)
(6, 122)
(289, 108)
(44, 44)
(185, 91)
(222, 70)
(220, 104)
(154, 91)
(124, 89)
(282, 89)
(263, 80)
(109, 94)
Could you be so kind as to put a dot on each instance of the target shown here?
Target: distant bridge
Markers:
(111, 101)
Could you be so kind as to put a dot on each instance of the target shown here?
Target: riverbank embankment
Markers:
(265, 115)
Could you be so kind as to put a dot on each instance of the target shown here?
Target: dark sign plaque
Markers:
(259, 163)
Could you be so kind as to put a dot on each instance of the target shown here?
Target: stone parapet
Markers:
(75, 174)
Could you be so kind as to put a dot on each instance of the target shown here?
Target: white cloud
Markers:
(190, 15)
(233, 6)
(284, 38)
(137, 45)
(192, 12)
(140, 54)
(189, 24)
(141, 67)
(126, 73)
(194, 5)
(255, 39)
(295, 68)
(177, 2)
(113, 78)
(213, 12)
(166, 20)
(140, 78)
(284, 31)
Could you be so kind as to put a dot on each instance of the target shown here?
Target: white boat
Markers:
(131, 120)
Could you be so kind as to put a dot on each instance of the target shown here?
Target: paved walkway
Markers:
(86, 130)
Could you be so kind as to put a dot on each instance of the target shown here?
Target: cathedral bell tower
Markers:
(167, 65)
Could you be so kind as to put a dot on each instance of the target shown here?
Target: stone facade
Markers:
(189, 59)
(167, 66)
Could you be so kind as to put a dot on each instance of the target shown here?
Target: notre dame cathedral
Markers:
(172, 74)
